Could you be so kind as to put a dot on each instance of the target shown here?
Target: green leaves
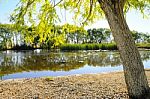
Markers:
(85, 11)
(141, 5)
(43, 15)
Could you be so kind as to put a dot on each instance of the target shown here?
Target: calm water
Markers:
(40, 63)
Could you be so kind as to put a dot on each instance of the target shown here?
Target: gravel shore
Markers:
(86, 86)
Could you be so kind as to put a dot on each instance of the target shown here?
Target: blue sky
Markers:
(134, 19)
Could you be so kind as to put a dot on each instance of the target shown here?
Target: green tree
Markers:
(96, 35)
(145, 37)
(73, 33)
(136, 36)
(90, 36)
(87, 11)
(6, 34)
(99, 35)
(140, 37)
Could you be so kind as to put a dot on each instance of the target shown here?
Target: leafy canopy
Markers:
(43, 14)
(84, 10)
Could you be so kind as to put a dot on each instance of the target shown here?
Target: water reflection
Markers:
(13, 62)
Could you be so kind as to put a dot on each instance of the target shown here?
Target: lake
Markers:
(42, 63)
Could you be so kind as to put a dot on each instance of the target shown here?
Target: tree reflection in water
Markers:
(39, 60)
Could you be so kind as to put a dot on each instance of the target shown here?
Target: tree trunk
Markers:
(135, 77)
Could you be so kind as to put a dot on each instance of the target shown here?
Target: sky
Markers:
(134, 19)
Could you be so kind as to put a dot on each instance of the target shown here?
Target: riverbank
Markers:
(95, 86)
(76, 47)
(101, 46)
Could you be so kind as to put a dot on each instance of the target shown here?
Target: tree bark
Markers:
(134, 73)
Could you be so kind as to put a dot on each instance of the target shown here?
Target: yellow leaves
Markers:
(85, 11)
(67, 28)
(141, 5)
(29, 39)
(47, 11)
(59, 40)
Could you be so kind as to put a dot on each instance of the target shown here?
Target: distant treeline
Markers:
(63, 37)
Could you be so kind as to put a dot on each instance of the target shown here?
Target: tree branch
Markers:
(57, 3)
(90, 11)
(77, 2)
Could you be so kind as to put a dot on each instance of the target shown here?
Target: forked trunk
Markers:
(135, 77)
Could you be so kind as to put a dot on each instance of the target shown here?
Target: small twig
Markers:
(57, 3)
(77, 2)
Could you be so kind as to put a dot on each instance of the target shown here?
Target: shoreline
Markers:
(139, 48)
(99, 86)
(110, 72)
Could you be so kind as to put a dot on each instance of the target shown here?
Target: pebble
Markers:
(87, 86)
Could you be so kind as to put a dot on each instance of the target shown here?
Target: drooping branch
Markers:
(24, 10)
(30, 2)
(90, 11)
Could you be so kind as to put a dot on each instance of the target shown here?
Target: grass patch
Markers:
(103, 46)
(49, 78)
(143, 45)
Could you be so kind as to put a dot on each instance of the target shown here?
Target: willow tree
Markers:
(86, 12)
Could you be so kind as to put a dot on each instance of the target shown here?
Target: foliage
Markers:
(98, 35)
(43, 15)
(141, 37)
(73, 33)
(85, 11)
(6, 33)
(65, 37)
